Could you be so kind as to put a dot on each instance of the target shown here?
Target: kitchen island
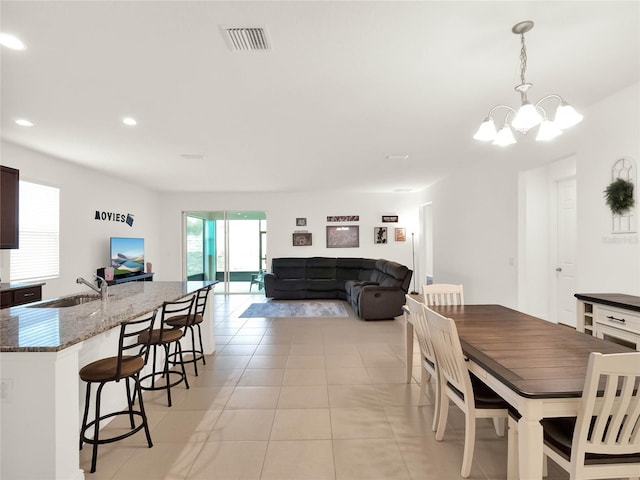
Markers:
(42, 349)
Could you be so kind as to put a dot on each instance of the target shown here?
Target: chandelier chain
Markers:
(523, 59)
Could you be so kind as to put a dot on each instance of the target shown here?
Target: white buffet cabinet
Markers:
(612, 316)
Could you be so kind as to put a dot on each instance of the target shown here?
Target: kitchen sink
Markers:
(67, 301)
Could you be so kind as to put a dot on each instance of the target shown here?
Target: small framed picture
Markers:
(380, 235)
(301, 239)
(390, 219)
(301, 222)
(401, 234)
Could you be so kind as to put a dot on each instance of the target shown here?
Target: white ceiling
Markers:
(344, 85)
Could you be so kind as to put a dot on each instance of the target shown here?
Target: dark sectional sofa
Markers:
(374, 288)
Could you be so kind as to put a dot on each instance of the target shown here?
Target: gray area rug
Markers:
(295, 309)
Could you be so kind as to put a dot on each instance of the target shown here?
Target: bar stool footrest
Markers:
(163, 386)
(196, 355)
(102, 441)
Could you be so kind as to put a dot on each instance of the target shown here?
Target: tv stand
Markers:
(141, 277)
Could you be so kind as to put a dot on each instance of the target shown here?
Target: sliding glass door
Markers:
(228, 246)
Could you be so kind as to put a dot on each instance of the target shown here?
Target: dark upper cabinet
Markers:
(9, 184)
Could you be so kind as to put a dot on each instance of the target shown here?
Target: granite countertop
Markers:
(28, 329)
(620, 300)
(15, 285)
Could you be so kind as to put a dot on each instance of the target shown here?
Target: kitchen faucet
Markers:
(102, 290)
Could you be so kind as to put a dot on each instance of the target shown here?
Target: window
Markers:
(38, 255)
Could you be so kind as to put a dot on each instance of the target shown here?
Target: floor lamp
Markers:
(413, 260)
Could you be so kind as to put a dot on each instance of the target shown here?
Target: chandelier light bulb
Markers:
(566, 116)
(487, 131)
(526, 118)
(505, 137)
(548, 131)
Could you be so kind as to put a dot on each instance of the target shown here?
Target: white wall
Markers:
(476, 224)
(607, 262)
(475, 232)
(84, 241)
(282, 209)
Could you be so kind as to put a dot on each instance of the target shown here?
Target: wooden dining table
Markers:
(538, 367)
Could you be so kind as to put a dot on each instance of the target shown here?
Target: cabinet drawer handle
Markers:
(28, 294)
(621, 320)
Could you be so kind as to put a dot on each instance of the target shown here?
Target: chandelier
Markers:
(528, 115)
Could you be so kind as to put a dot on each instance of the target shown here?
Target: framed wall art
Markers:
(347, 236)
(301, 239)
(301, 222)
(343, 218)
(380, 235)
(390, 219)
(401, 234)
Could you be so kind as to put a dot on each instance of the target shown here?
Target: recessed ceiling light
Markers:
(398, 157)
(11, 41)
(23, 122)
(129, 121)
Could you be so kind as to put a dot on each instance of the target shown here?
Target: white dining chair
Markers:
(443, 294)
(603, 441)
(428, 366)
(457, 384)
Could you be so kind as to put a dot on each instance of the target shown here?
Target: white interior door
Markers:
(566, 251)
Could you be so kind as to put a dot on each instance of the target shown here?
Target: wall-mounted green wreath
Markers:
(619, 196)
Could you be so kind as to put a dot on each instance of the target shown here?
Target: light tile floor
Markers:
(299, 398)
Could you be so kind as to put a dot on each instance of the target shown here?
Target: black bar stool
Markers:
(114, 369)
(183, 321)
(164, 337)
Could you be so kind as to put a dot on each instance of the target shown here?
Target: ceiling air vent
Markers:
(244, 39)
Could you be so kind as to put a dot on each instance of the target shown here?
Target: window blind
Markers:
(39, 253)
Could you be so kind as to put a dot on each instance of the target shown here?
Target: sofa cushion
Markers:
(348, 286)
(320, 267)
(293, 284)
(389, 281)
(322, 284)
(289, 268)
(394, 273)
(391, 268)
(368, 270)
(348, 268)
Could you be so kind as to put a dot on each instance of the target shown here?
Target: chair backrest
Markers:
(443, 294)
(140, 330)
(449, 355)
(201, 300)
(419, 320)
(608, 421)
(179, 307)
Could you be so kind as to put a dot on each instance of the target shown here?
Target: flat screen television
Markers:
(127, 256)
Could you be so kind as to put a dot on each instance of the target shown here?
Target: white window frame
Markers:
(38, 257)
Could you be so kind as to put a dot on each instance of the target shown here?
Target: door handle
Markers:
(558, 269)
